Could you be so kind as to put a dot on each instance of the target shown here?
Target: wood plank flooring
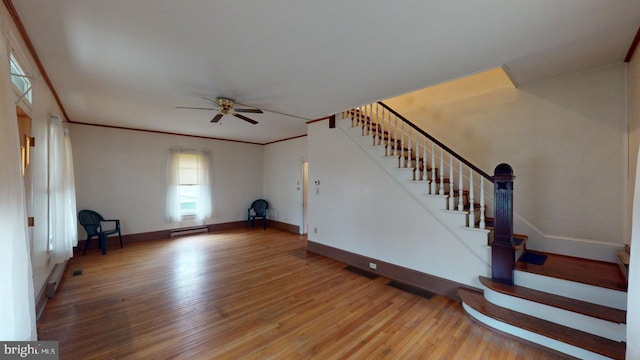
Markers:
(252, 294)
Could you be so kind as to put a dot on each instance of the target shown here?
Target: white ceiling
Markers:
(131, 62)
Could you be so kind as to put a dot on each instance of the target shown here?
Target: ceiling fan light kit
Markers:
(226, 106)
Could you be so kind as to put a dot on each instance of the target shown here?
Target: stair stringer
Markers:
(474, 239)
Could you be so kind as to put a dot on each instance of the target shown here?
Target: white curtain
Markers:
(173, 181)
(63, 225)
(17, 302)
(204, 207)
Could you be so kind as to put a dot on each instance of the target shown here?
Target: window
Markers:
(188, 183)
(20, 80)
(188, 192)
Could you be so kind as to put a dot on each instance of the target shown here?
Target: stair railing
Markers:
(429, 158)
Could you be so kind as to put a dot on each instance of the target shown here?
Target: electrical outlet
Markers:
(315, 230)
(373, 266)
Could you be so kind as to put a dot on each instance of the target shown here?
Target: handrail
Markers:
(446, 148)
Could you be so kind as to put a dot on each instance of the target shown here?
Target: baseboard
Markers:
(284, 226)
(402, 274)
(41, 301)
(49, 287)
(164, 234)
(227, 226)
(568, 246)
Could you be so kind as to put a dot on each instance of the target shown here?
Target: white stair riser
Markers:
(533, 337)
(603, 328)
(593, 294)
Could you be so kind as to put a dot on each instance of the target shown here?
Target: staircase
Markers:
(552, 304)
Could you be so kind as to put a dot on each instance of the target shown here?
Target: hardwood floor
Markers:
(252, 294)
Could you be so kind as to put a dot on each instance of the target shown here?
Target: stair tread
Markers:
(517, 236)
(578, 338)
(585, 271)
(561, 302)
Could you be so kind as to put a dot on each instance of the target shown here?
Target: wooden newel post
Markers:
(502, 251)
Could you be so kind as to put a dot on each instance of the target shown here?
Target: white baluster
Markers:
(432, 190)
(472, 210)
(385, 125)
(373, 125)
(460, 189)
(381, 127)
(395, 135)
(401, 144)
(425, 174)
(367, 123)
(441, 190)
(362, 116)
(374, 131)
(451, 183)
(482, 219)
(407, 162)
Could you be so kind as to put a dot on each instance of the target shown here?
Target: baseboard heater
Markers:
(189, 231)
(54, 279)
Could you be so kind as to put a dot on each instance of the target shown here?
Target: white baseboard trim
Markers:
(562, 245)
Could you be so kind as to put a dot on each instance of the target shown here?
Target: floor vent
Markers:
(411, 289)
(189, 231)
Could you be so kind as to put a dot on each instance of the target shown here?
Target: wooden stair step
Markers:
(623, 263)
(518, 240)
(577, 338)
(591, 272)
(561, 302)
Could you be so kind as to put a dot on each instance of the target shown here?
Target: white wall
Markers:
(359, 208)
(283, 179)
(633, 311)
(566, 139)
(633, 114)
(122, 174)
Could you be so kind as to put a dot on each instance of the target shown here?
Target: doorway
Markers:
(305, 206)
(26, 144)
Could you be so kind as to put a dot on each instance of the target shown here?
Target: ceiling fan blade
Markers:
(215, 101)
(245, 118)
(196, 108)
(255, 111)
(275, 112)
(217, 118)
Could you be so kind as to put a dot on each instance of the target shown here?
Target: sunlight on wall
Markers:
(458, 89)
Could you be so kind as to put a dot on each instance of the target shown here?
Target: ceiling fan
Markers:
(226, 106)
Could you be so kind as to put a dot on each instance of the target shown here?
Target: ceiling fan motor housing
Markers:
(226, 105)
